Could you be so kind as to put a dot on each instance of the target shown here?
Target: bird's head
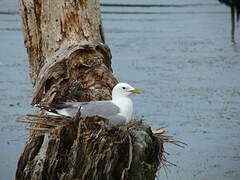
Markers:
(124, 90)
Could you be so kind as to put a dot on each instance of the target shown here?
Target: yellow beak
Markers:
(136, 91)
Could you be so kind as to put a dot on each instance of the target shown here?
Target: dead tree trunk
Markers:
(69, 61)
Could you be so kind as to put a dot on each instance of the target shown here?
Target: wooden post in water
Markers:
(235, 14)
(69, 61)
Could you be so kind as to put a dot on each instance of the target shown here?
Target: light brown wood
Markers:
(69, 61)
(64, 39)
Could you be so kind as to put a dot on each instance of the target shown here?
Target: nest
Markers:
(95, 150)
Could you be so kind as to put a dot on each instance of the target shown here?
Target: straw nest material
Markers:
(88, 148)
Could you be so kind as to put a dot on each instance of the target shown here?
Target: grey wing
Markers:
(100, 108)
(105, 109)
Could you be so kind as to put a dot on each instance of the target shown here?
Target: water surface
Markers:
(180, 52)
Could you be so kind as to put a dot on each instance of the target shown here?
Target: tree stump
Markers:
(69, 61)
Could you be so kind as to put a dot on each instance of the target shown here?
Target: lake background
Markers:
(179, 52)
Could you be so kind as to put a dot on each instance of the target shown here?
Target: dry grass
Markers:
(40, 123)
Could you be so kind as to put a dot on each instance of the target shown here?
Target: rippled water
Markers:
(181, 53)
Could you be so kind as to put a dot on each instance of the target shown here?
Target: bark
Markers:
(65, 41)
(69, 61)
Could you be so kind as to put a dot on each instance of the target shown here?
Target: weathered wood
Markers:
(64, 40)
(69, 61)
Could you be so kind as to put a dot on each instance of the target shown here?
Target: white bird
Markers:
(118, 110)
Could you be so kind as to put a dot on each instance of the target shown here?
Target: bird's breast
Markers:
(126, 107)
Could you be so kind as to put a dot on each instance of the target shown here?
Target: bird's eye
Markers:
(124, 87)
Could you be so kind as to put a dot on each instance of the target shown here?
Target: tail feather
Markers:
(46, 108)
